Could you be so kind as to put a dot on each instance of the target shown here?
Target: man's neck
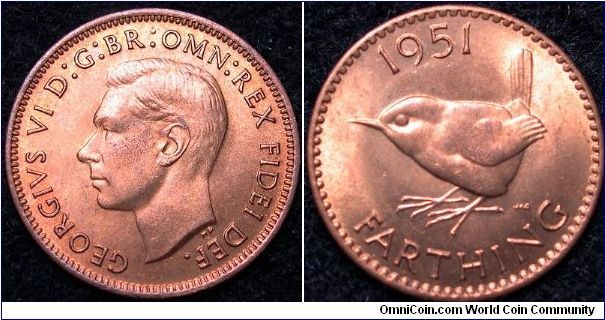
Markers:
(174, 214)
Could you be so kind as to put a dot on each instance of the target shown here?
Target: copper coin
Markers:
(152, 153)
(455, 153)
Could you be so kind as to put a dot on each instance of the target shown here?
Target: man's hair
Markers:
(176, 92)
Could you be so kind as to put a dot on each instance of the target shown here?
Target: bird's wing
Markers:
(490, 141)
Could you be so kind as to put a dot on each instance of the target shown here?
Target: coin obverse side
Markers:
(152, 153)
(471, 148)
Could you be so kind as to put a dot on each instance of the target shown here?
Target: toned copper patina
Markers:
(470, 148)
(152, 153)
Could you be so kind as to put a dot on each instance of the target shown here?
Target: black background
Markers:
(29, 29)
(330, 29)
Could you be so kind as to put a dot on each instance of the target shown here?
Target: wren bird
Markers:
(475, 145)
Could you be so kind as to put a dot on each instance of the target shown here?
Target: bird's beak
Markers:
(368, 122)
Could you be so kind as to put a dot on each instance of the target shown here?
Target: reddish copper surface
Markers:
(153, 153)
(455, 153)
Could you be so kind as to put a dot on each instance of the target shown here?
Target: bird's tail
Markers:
(521, 73)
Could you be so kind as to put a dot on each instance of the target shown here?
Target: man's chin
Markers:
(107, 204)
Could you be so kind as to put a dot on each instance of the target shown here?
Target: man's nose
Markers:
(89, 152)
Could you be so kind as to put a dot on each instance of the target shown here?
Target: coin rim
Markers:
(160, 290)
(372, 266)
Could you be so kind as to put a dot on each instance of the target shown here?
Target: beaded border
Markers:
(413, 286)
(274, 221)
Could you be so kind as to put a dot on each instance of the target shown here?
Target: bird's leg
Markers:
(451, 213)
(464, 216)
(493, 209)
(427, 203)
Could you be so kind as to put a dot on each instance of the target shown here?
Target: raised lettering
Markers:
(263, 117)
(469, 265)
(271, 148)
(40, 193)
(410, 53)
(256, 216)
(216, 54)
(99, 256)
(514, 242)
(202, 259)
(409, 252)
(440, 254)
(171, 44)
(113, 46)
(260, 199)
(266, 180)
(551, 226)
(256, 96)
(388, 60)
(44, 110)
(87, 62)
(375, 216)
(196, 50)
(57, 85)
(41, 155)
(53, 203)
(131, 38)
(384, 239)
(39, 126)
(40, 176)
(241, 79)
(64, 227)
(234, 236)
(269, 163)
(218, 251)
(496, 253)
(119, 262)
(79, 242)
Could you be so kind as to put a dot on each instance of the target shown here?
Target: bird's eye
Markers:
(401, 120)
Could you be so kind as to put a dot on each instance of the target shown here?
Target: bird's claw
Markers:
(427, 203)
(450, 213)
(494, 209)
(445, 214)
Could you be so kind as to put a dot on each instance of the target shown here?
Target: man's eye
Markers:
(113, 128)
(108, 128)
(401, 120)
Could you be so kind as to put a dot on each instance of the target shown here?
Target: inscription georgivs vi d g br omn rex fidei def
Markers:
(462, 152)
(181, 147)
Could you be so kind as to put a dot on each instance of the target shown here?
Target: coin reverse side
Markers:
(471, 150)
(152, 153)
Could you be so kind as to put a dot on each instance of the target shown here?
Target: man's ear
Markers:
(174, 142)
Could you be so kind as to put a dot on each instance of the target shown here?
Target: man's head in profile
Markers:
(158, 132)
